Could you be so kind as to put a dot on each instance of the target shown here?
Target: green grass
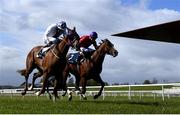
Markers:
(111, 105)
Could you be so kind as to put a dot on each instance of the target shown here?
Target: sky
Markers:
(23, 23)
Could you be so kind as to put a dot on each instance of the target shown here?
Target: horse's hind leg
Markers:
(26, 85)
(26, 81)
(99, 80)
(29, 69)
(24, 73)
(35, 76)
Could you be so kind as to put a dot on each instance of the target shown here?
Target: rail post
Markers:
(154, 96)
(162, 92)
(103, 93)
(11, 94)
(129, 93)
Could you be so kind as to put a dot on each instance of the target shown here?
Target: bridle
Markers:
(68, 43)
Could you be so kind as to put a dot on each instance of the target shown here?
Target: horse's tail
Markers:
(22, 72)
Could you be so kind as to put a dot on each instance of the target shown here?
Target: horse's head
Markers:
(109, 48)
(72, 36)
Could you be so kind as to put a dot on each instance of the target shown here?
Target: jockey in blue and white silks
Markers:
(52, 35)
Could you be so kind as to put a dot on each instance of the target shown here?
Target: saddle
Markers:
(46, 48)
(77, 58)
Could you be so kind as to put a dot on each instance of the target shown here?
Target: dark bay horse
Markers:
(53, 63)
(91, 68)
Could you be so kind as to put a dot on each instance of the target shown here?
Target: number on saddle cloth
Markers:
(73, 58)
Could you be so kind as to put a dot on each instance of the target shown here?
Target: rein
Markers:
(52, 50)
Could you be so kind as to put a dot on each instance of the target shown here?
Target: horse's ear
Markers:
(102, 41)
(74, 28)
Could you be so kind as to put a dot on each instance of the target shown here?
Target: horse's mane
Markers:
(105, 41)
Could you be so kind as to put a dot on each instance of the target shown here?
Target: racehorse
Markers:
(91, 68)
(53, 63)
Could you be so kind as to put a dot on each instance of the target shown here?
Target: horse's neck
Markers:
(62, 48)
(99, 55)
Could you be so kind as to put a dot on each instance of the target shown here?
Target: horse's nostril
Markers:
(116, 53)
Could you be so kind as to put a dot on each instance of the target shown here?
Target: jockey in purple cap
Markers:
(86, 41)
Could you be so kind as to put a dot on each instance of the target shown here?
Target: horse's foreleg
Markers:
(64, 79)
(83, 84)
(48, 85)
(55, 88)
(45, 80)
(99, 80)
(77, 83)
(57, 84)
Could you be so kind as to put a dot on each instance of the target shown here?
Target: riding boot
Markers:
(49, 44)
(40, 55)
(81, 58)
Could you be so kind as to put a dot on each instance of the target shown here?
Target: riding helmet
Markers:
(61, 25)
(94, 35)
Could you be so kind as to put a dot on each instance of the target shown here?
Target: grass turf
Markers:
(111, 105)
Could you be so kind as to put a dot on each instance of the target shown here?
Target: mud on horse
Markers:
(52, 64)
(91, 68)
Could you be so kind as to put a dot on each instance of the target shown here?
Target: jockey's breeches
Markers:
(48, 39)
(83, 49)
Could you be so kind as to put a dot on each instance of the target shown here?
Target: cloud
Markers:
(24, 21)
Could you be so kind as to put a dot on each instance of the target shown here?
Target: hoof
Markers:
(64, 94)
(23, 92)
(37, 93)
(50, 97)
(83, 96)
(30, 88)
(70, 97)
(54, 98)
(96, 96)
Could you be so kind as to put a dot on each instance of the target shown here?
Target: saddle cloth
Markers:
(73, 58)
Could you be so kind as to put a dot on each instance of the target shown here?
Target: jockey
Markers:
(86, 41)
(51, 36)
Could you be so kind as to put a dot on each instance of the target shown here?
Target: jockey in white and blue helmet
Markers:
(52, 35)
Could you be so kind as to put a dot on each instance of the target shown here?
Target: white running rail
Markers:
(175, 90)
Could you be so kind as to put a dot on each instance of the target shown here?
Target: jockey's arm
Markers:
(77, 45)
(95, 45)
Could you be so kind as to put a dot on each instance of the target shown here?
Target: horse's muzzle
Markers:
(115, 53)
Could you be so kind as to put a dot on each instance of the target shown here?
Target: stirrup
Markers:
(39, 56)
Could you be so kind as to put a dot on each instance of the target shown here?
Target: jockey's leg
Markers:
(48, 41)
(82, 53)
(43, 50)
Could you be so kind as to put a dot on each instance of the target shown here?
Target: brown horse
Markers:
(53, 63)
(91, 68)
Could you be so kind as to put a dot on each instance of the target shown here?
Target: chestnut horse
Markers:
(91, 68)
(53, 63)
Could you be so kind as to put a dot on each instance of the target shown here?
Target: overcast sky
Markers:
(23, 22)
